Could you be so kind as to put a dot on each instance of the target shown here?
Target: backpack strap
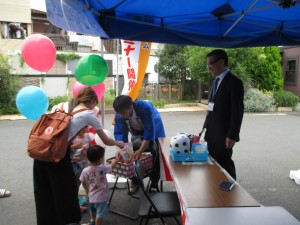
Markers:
(73, 113)
(79, 110)
(61, 109)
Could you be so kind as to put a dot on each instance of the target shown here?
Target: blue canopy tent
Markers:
(219, 23)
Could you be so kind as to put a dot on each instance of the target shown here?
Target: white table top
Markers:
(240, 216)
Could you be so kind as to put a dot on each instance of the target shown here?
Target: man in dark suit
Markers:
(225, 111)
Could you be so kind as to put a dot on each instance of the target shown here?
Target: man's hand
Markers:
(229, 143)
(137, 154)
(200, 133)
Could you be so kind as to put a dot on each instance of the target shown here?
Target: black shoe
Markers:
(133, 188)
(154, 187)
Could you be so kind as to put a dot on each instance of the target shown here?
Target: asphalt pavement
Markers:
(268, 150)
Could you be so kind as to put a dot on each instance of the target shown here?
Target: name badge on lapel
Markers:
(211, 106)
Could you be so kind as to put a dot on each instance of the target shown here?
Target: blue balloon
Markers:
(32, 102)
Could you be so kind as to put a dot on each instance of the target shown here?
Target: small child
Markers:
(79, 160)
(94, 181)
(78, 152)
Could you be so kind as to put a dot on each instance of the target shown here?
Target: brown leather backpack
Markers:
(48, 139)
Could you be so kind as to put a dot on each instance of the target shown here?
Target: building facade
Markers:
(291, 69)
(18, 20)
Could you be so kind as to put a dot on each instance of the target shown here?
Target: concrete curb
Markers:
(188, 107)
(13, 117)
(183, 107)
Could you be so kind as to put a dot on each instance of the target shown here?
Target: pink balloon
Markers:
(99, 89)
(77, 87)
(39, 52)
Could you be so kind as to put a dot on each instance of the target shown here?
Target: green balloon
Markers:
(91, 70)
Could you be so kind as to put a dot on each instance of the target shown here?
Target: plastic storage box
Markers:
(198, 154)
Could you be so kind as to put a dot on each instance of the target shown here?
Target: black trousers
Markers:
(153, 148)
(56, 192)
(223, 156)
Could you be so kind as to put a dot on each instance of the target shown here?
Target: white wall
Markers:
(54, 87)
(17, 11)
(153, 60)
(153, 76)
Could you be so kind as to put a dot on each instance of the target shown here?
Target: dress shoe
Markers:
(133, 188)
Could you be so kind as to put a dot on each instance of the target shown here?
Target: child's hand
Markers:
(77, 146)
(83, 153)
(118, 155)
(76, 159)
(113, 162)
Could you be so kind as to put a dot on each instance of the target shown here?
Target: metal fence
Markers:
(154, 92)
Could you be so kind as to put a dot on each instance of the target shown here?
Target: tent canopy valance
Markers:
(222, 23)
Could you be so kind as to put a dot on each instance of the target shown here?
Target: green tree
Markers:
(242, 62)
(172, 64)
(8, 88)
(196, 60)
(268, 72)
(256, 66)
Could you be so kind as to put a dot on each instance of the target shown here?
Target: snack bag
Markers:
(127, 153)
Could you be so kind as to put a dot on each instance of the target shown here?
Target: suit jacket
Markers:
(226, 118)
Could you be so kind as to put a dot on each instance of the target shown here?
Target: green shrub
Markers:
(8, 110)
(159, 103)
(257, 101)
(109, 98)
(57, 100)
(285, 99)
(8, 88)
(190, 98)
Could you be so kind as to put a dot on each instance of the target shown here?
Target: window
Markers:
(291, 71)
(110, 67)
(13, 30)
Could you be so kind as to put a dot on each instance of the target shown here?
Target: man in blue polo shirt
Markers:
(142, 120)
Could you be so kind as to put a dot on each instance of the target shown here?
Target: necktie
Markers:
(215, 87)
